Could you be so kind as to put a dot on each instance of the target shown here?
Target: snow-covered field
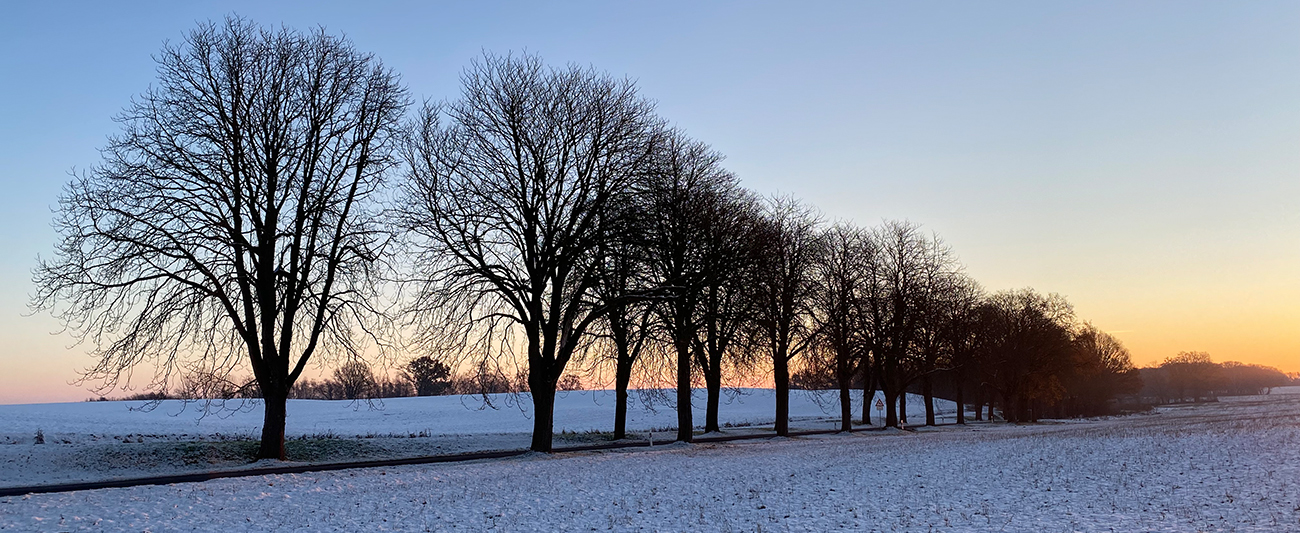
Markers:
(1230, 466)
(90, 441)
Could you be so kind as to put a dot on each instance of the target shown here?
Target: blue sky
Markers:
(1141, 158)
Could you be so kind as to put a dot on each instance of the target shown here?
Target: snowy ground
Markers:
(89, 441)
(1231, 466)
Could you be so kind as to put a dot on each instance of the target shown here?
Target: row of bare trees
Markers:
(270, 201)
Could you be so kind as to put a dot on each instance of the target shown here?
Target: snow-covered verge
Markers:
(91, 441)
(1230, 466)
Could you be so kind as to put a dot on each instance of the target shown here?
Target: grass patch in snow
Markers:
(160, 455)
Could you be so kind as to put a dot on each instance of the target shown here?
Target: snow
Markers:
(1230, 466)
(575, 411)
(89, 441)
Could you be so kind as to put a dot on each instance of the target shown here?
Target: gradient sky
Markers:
(1142, 159)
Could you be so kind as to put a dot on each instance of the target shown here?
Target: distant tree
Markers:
(570, 382)
(816, 371)
(389, 387)
(1101, 371)
(1248, 379)
(234, 214)
(509, 203)
(428, 376)
(1193, 375)
(356, 380)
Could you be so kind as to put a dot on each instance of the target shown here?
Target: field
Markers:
(92, 441)
(1227, 466)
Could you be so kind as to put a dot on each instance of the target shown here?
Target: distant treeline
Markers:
(356, 380)
(1194, 377)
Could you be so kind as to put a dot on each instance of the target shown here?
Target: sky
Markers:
(1141, 159)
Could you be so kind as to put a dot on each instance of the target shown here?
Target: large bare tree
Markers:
(628, 324)
(509, 197)
(730, 262)
(233, 216)
(687, 187)
(790, 247)
(837, 309)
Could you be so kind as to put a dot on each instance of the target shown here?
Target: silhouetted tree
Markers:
(1248, 379)
(687, 187)
(960, 338)
(570, 382)
(233, 217)
(837, 310)
(1101, 370)
(356, 380)
(428, 376)
(892, 309)
(729, 260)
(790, 247)
(628, 324)
(1193, 375)
(939, 295)
(510, 201)
(1026, 347)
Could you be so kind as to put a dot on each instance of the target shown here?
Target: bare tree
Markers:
(941, 291)
(356, 379)
(1101, 370)
(1026, 348)
(510, 202)
(688, 185)
(234, 216)
(729, 268)
(790, 247)
(837, 311)
(960, 338)
(890, 310)
(628, 325)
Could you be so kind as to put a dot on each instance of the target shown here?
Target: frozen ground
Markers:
(1231, 466)
(89, 441)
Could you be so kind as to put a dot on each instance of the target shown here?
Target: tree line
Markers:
(1194, 377)
(274, 199)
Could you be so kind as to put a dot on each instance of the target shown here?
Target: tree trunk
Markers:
(713, 382)
(781, 373)
(684, 424)
(961, 402)
(622, 376)
(868, 394)
(891, 408)
(543, 415)
(1008, 407)
(846, 402)
(902, 406)
(927, 390)
(989, 397)
(272, 446)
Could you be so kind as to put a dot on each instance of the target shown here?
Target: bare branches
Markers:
(237, 198)
(510, 202)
